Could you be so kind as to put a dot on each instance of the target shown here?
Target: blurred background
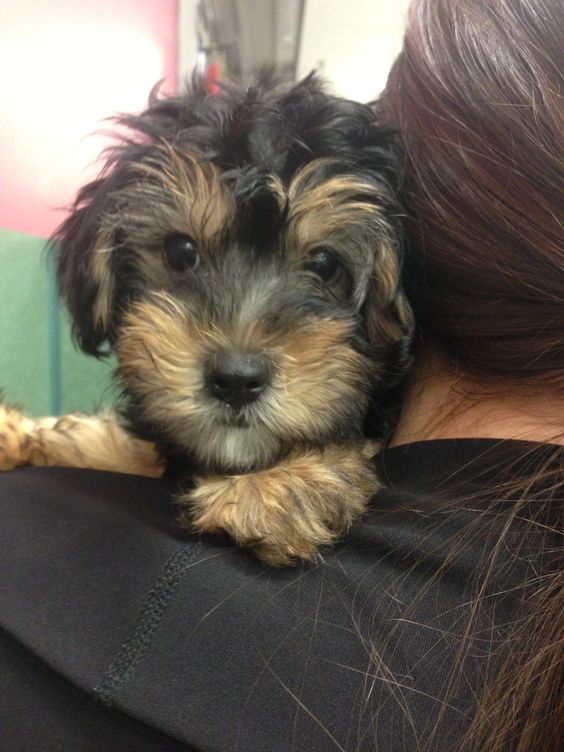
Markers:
(66, 66)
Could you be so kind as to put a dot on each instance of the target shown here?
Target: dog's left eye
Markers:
(327, 266)
(181, 253)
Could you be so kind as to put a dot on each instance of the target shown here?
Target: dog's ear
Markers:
(87, 246)
(82, 251)
(387, 313)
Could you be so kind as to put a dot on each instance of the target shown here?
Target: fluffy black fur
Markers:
(266, 129)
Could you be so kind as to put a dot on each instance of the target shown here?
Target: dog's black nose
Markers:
(238, 378)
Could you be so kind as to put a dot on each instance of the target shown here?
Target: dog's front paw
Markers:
(15, 438)
(289, 511)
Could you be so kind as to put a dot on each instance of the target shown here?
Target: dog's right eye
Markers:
(181, 253)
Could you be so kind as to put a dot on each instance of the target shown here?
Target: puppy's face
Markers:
(250, 308)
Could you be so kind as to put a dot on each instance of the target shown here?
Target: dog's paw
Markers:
(15, 438)
(98, 442)
(289, 511)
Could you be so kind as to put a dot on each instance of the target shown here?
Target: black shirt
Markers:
(120, 632)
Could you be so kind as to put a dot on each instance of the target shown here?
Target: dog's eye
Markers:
(323, 262)
(181, 253)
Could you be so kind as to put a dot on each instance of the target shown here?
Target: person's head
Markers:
(476, 95)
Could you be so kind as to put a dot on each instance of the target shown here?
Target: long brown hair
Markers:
(476, 95)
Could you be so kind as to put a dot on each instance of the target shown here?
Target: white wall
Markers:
(187, 41)
(352, 43)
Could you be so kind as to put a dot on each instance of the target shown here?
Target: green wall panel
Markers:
(40, 367)
(86, 384)
(24, 315)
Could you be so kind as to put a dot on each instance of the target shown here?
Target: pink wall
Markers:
(65, 66)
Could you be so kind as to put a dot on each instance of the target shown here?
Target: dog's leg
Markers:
(288, 511)
(97, 442)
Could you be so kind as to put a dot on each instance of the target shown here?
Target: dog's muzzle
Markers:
(238, 377)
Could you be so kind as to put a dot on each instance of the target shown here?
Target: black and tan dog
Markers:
(240, 254)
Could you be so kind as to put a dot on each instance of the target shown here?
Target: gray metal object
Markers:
(241, 37)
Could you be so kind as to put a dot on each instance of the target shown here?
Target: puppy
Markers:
(240, 253)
